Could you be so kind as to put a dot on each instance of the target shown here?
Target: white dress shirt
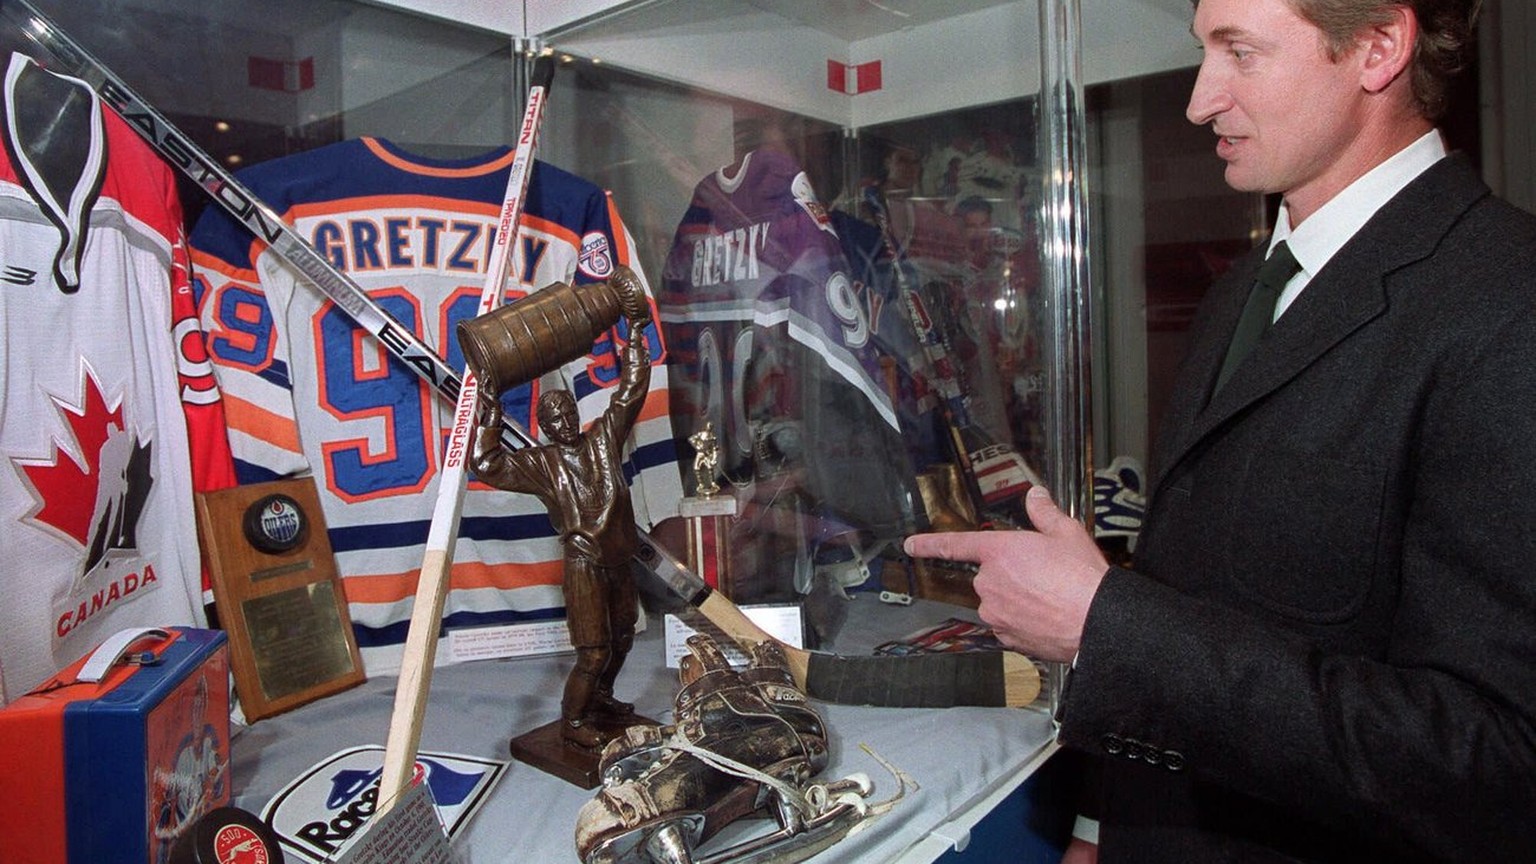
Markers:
(1323, 233)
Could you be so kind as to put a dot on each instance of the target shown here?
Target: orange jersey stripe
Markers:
(215, 264)
(258, 422)
(553, 229)
(394, 587)
(656, 405)
(417, 168)
(620, 235)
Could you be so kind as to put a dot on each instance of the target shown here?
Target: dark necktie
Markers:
(1260, 310)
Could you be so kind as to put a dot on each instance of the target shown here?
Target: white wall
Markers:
(498, 16)
(975, 58)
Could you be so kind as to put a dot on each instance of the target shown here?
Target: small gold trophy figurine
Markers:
(706, 458)
(708, 514)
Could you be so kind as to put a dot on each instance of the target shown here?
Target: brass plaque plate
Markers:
(296, 639)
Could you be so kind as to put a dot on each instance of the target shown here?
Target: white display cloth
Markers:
(962, 758)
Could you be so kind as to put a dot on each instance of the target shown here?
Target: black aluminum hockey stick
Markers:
(1000, 678)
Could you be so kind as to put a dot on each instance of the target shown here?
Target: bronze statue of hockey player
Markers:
(578, 476)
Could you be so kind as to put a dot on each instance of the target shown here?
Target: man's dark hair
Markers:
(1447, 33)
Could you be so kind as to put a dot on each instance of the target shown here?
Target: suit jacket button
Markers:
(1173, 760)
(1113, 744)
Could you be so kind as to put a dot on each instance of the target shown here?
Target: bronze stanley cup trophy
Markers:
(579, 478)
(517, 343)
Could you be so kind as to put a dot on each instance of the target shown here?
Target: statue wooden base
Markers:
(546, 750)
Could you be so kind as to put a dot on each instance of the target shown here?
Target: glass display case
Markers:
(908, 259)
(923, 395)
(865, 229)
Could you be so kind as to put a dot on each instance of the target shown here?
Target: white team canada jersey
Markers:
(307, 390)
(97, 528)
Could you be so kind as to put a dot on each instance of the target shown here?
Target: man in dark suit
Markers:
(1326, 649)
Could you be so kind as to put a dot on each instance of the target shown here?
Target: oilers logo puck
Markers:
(276, 524)
(228, 835)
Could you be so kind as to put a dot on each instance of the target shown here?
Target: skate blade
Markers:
(632, 847)
(787, 845)
(791, 845)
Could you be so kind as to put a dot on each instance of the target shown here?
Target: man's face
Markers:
(1288, 117)
(557, 412)
(902, 168)
(978, 225)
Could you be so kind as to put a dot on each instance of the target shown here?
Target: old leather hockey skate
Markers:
(743, 742)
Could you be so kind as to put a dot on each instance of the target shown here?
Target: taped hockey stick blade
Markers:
(981, 678)
(987, 678)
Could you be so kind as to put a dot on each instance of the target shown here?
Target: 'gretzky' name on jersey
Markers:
(309, 390)
(730, 256)
(771, 338)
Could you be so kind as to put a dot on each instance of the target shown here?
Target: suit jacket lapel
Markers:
(1345, 295)
(1349, 292)
(1213, 329)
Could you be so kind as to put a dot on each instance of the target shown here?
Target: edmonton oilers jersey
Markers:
(310, 391)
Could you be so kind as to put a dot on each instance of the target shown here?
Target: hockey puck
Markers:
(228, 835)
(276, 524)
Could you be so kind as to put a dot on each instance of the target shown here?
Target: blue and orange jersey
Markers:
(307, 390)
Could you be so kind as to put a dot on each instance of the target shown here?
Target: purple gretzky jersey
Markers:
(917, 405)
(309, 391)
(772, 343)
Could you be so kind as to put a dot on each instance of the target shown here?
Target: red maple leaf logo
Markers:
(66, 488)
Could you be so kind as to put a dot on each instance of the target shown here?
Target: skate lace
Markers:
(726, 764)
(904, 783)
(806, 802)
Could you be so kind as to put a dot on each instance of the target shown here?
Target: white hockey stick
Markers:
(437, 562)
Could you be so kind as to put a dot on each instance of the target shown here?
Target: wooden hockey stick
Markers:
(995, 678)
(437, 561)
(974, 679)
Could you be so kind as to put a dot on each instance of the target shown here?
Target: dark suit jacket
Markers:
(1327, 650)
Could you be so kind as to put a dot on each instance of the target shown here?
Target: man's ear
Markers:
(1387, 49)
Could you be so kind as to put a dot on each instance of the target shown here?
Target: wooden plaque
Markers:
(278, 595)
